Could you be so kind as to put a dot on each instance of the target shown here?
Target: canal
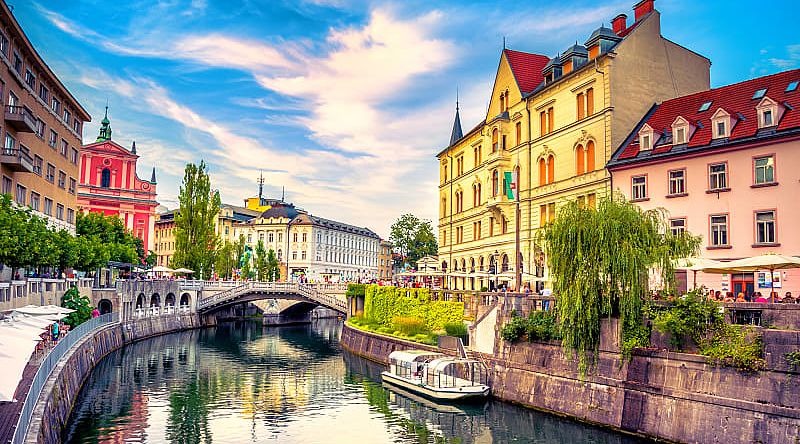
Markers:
(241, 382)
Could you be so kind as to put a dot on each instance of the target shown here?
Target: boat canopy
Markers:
(445, 372)
(413, 355)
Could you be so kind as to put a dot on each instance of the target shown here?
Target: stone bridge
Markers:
(280, 302)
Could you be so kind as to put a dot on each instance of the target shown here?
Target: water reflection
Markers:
(241, 382)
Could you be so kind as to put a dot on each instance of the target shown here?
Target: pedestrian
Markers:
(95, 312)
(54, 332)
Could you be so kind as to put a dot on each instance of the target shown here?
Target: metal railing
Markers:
(50, 361)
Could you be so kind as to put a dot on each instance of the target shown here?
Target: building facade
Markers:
(723, 164)
(313, 248)
(109, 185)
(41, 130)
(548, 133)
(385, 263)
(164, 237)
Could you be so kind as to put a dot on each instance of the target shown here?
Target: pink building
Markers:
(725, 164)
(109, 184)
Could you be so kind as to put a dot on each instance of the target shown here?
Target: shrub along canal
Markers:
(241, 382)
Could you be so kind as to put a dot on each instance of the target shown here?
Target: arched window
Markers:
(505, 263)
(551, 164)
(590, 155)
(472, 265)
(495, 135)
(444, 265)
(579, 160)
(502, 102)
(478, 192)
(542, 172)
(463, 265)
(480, 263)
(495, 183)
(105, 178)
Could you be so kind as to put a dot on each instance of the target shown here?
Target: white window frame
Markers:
(713, 174)
(769, 167)
(677, 181)
(717, 230)
(641, 187)
(646, 138)
(676, 229)
(768, 224)
(721, 117)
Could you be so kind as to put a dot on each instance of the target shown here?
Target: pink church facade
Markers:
(109, 184)
(725, 165)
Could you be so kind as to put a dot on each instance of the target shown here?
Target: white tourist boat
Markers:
(436, 375)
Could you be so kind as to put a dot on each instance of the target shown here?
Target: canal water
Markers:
(241, 382)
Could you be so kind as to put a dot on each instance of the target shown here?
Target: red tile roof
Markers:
(527, 68)
(736, 99)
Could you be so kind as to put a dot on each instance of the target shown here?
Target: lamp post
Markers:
(494, 259)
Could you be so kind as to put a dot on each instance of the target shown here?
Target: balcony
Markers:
(16, 159)
(21, 119)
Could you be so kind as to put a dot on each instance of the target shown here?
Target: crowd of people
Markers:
(772, 297)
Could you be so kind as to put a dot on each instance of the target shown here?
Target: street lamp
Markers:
(494, 259)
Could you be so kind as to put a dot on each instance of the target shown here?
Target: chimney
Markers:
(619, 23)
(642, 8)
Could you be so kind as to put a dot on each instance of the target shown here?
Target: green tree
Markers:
(19, 236)
(599, 261)
(81, 304)
(225, 260)
(414, 239)
(151, 259)
(195, 238)
(273, 267)
(261, 261)
(121, 244)
(90, 253)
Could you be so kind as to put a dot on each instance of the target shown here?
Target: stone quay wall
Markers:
(673, 397)
(58, 396)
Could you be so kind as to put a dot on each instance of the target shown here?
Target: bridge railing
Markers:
(306, 290)
(49, 363)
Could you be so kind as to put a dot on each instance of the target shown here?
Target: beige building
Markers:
(385, 265)
(41, 130)
(552, 123)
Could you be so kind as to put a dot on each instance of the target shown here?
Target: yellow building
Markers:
(553, 122)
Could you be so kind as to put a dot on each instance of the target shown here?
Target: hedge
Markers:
(383, 304)
(355, 290)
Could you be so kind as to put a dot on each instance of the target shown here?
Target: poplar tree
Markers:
(599, 262)
(195, 238)
(261, 261)
(273, 267)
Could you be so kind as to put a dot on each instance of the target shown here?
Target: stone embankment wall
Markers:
(670, 396)
(59, 394)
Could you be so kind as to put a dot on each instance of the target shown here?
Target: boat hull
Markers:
(440, 394)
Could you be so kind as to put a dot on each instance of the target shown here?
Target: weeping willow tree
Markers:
(600, 262)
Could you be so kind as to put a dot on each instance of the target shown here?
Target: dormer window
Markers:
(721, 129)
(769, 112)
(646, 138)
(680, 131)
(721, 124)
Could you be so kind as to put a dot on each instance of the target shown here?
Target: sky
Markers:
(344, 104)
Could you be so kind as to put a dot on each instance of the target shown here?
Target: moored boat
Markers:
(436, 375)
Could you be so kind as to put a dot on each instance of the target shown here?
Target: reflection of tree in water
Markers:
(423, 420)
(188, 413)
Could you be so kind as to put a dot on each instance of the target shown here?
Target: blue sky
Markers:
(345, 103)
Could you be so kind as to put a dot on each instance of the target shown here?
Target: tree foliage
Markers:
(261, 261)
(413, 238)
(273, 267)
(109, 233)
(225, 260)
(195, 238)
(599, 261)
(82, 305)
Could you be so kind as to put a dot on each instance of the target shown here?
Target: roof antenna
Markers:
(260, 186)
(283, 194)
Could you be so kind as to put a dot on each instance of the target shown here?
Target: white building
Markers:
(313, 247)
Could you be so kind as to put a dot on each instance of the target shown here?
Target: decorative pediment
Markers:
(769, 112)
(109, 147)
(720, 113)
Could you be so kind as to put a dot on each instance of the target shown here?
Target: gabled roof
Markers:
(110, 147)
(736, 99)
(527, 68)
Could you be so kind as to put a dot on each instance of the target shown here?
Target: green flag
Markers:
(511, 185)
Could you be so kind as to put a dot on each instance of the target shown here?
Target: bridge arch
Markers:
(155, 300)
(169, 301)
(140, 300)
(186, 300)
(105, 306)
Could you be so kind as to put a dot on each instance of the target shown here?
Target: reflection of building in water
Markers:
(136, 420)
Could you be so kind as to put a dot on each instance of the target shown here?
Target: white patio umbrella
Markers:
(695, 264)
(769, 262)
(16, 353)
(183, 270)
(161, 269)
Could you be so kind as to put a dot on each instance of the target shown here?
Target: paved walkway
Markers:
(9, 411)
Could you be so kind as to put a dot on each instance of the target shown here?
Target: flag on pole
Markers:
(512, 188)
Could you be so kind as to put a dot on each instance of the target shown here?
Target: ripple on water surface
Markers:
(240, 382)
